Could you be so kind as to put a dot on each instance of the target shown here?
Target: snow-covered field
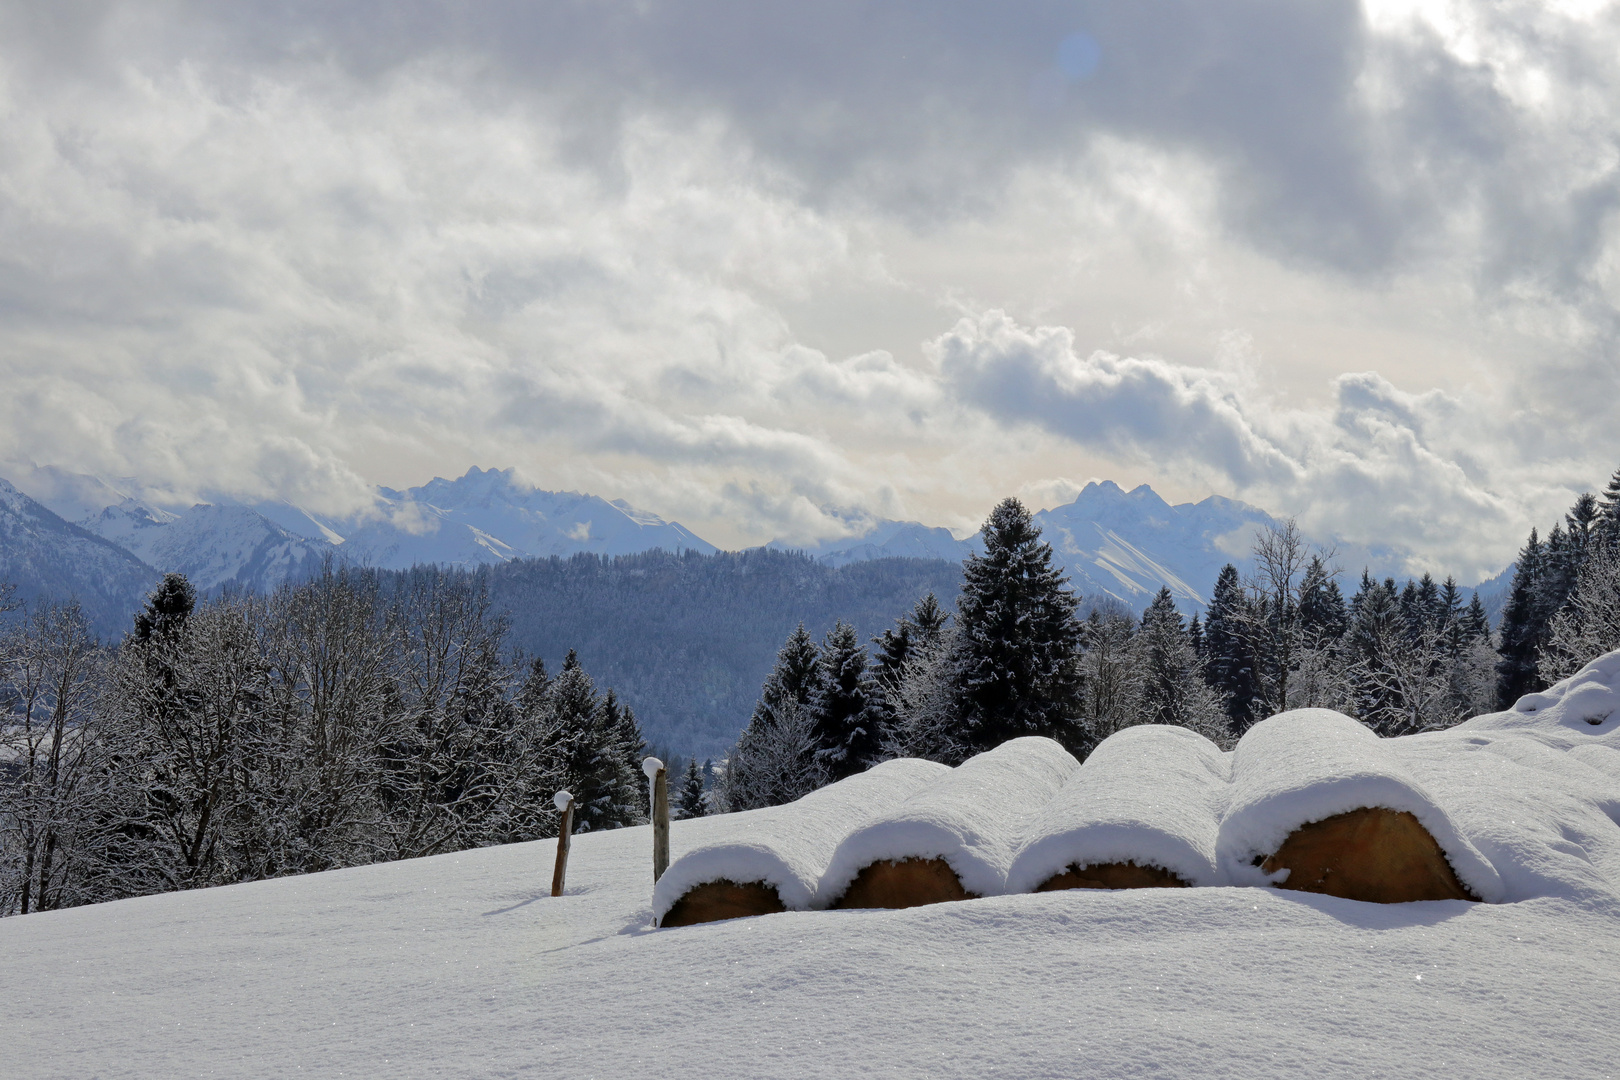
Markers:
(463, 965)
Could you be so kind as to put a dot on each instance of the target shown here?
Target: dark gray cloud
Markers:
(928, 106)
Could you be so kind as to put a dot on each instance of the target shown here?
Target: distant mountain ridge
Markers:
(1115, 545)
(485, 517)
(48, 557)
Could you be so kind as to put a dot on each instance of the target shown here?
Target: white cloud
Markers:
(1363, 271)
(1429, 471)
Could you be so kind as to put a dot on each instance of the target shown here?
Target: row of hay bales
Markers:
(1310, 800)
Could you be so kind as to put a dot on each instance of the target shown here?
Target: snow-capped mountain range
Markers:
(486, 516)
(88, 536)
(1125, 545)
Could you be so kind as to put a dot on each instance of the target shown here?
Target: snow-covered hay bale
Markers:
(903, 883)
(970, 821)
(1372, 854)
(1142, 812)
(783, 850)
(714, 901)
(1125, 875)
(1302, 768)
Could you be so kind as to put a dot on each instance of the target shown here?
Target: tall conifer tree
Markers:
(846, 719)
(1516, 673)
(1018, 637)
(1227, 664)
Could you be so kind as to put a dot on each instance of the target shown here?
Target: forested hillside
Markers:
(686, 640)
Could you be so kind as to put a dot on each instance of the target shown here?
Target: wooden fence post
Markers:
(659, 777)
(564, 801)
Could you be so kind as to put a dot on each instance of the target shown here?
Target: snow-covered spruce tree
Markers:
(1543, 580)
(1318, 679)
(689, 800)
(1375, 636)
(169, 605)
(1607, 523)
(1520, 634)
(535, 759)
(1228, 665)
(847, 719)
(588, 748)
(1017, 657)
(1470, 657)
(773, 741)
(617, 723)
(1589, 625)
(1276, 636)
(1170, 688)
(1403, 677)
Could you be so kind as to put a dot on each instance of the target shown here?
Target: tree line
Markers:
(350, 719)
(1563, 606)
(1020, 656)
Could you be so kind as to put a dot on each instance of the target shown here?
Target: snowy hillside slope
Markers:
(464, 965)
(45, 556)
(489, 516)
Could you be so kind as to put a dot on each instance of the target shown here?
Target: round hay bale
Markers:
(1372, 854)
(716, 900)
(903, 883)
(1114, 875)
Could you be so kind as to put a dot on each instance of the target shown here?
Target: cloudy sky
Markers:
(771, 268)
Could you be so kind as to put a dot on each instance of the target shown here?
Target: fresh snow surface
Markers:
(789, 846)
(463, 965)
(1152, 795)
(972, 818)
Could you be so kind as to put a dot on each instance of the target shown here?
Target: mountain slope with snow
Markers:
(1115, 544)
(214, 546)
(488, 516)
(47, 557)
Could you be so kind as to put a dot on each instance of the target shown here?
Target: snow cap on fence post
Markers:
(564, 802)
(658, 776)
